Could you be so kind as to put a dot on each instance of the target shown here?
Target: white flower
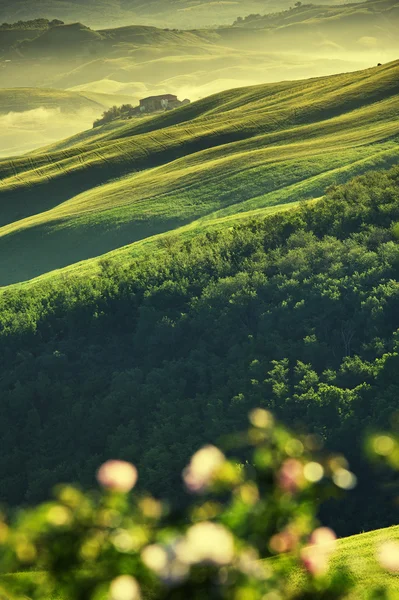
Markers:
(124, 587)
(388, 556)
(206, 543)
(203, 466)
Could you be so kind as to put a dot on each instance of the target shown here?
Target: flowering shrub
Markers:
(126, 546)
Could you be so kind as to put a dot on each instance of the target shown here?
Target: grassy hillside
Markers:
(141, 60)
(359, 553)
(242, 150)
(138, 61)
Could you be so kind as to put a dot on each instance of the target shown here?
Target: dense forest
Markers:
(297, 312)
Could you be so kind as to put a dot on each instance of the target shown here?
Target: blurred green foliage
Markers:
(115, 544)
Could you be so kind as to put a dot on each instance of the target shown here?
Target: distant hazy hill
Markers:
(32, 117)
(369, 24)
(139, 61)
(171, 13)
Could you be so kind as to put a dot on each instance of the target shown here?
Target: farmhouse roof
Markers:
(160, 97)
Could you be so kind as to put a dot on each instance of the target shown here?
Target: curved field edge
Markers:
(155, 244)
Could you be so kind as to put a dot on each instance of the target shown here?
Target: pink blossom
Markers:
(316, 557)
(117, 475)
(285, 541)
(290, 477)
(314, 561)
(324, 538)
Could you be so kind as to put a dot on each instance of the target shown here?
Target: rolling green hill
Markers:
(369, 26)
(143, 61)
(232, 153)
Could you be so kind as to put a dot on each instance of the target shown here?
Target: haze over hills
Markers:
(163, 13)
(243, 150)
(133, 62)
(32, 117)
(367, 25)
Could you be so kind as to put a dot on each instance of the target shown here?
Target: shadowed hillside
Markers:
(235, 152)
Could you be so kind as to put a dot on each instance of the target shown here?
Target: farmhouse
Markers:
(163, 102)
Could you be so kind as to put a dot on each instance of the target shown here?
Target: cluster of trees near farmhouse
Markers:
(116, 112)
(297, 313)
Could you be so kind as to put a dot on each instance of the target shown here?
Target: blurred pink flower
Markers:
(316, 557)
(290, 477)
(388, 556)
(324, 538)
(314, 561)
(117, 475)
(285, 541)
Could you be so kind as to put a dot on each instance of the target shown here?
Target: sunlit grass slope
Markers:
(359, 554)
(242, 150)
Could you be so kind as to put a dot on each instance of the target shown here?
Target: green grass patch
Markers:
(358, 552)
